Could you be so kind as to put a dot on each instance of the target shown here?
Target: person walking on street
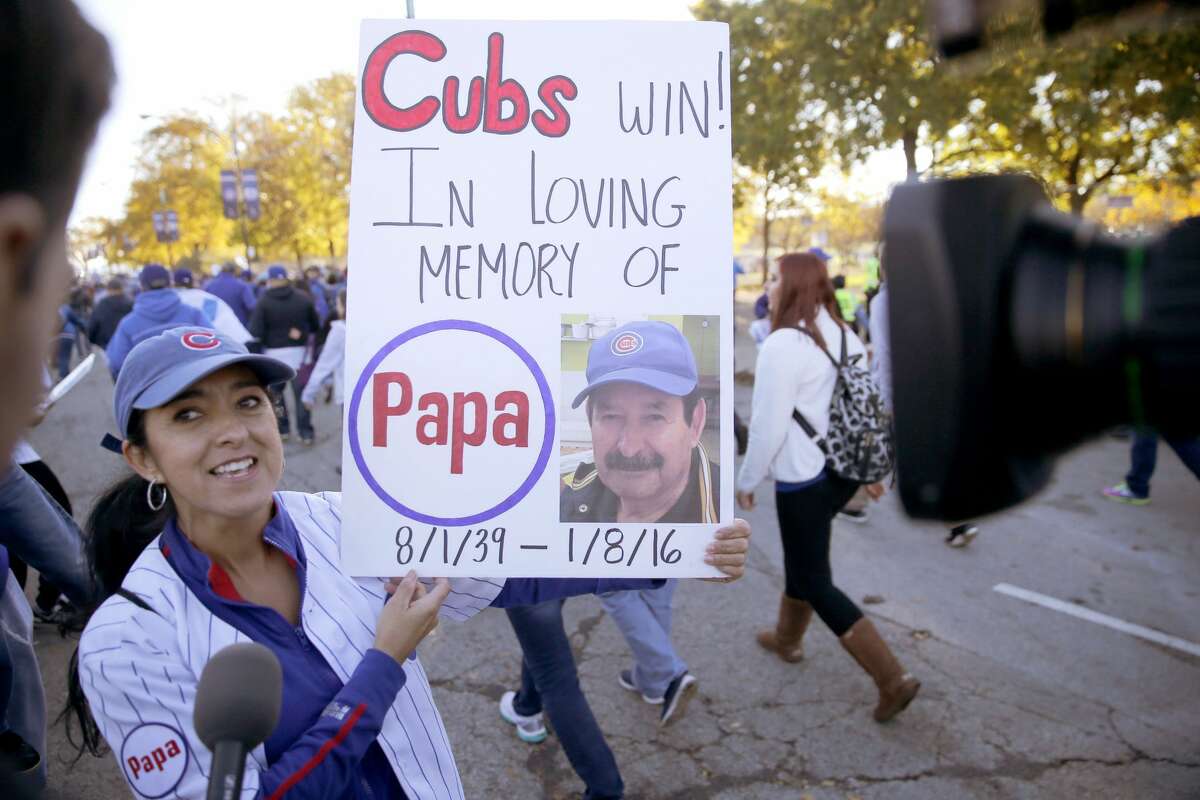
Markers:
(316, 289)
(220, 315)
(793, 374)
(1143, 458)
(72, 322)
(284, 320)
(108, 313)
(238, 294)
(155, 310)
(329, 364)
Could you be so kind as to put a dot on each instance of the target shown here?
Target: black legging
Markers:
(805, 523)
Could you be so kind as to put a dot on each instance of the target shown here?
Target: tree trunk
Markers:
(766, 230)
(766, 238)
(909, 141)
(1078, 199)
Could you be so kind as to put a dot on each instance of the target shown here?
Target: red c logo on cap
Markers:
(200, 341)
(626, 344)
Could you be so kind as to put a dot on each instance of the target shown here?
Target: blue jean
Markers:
(550, 683)
(303, 417)
(644, 619)
(63, 356)
(1144, 457)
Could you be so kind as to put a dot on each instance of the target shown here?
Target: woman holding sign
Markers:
(793, 374)
(199, 550)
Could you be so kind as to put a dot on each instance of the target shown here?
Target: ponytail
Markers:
(120, 526)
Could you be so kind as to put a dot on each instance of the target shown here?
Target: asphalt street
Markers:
(1019, 700)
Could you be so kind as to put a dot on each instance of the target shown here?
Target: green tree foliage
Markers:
(1080, 112)
(775, 136)
(819, 83)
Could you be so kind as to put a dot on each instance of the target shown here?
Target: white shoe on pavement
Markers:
(625, 678)
(529, 729)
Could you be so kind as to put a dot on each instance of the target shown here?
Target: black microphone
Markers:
(237, 706)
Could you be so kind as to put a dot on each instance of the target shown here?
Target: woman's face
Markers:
(773, 289)
(216, 447)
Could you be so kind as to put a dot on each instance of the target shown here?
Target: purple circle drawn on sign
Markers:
(471, 327)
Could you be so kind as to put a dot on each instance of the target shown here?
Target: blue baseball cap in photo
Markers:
(819, 253)
(654, 354)
(183, 277)
(161, 367)
(154, 276)
(276, 272)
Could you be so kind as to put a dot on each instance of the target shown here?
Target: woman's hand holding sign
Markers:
(409, 614)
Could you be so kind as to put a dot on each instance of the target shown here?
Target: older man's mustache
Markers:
(638, 463)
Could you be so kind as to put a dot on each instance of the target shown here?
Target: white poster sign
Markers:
(539, 359)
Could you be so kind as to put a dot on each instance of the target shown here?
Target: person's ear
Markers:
(142, 462)
(22, 228)
(699, 417)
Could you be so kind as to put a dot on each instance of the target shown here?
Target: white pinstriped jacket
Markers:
(139, 668)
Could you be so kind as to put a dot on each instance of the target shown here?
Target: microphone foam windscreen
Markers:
(239, 696)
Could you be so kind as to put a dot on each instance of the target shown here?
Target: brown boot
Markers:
(897, 688)
(785, 640)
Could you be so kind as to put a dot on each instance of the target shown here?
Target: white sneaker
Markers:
(529, 729)
(625, 678)
(859, 516)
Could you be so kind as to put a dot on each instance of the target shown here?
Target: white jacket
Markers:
(792, 373)
(139, 668)
(330, 362)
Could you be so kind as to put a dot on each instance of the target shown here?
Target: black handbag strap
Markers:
(836, 363)
(804, 424)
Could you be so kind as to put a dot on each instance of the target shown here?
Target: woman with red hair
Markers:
(793, 374)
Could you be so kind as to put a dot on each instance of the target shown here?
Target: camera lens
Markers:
(1017, 331)
(1103, 331)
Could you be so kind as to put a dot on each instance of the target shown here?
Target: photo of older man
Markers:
(646, 415)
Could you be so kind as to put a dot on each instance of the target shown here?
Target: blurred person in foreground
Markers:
(792, 374)
(57, 79)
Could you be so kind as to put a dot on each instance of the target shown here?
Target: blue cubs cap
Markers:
(654, 354)
(161, 367)
(819, 253)
(182, 277)
(154, 276)
(276, 272)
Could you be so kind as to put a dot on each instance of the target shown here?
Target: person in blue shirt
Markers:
(316, 288)
(199, 549)
(155, 310)
(238, 294)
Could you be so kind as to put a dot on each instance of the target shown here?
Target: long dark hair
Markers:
(120, 526)
(804, 289)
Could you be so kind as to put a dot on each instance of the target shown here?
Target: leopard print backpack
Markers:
(858, 445)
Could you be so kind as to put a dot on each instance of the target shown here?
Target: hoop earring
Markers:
(150, 496)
